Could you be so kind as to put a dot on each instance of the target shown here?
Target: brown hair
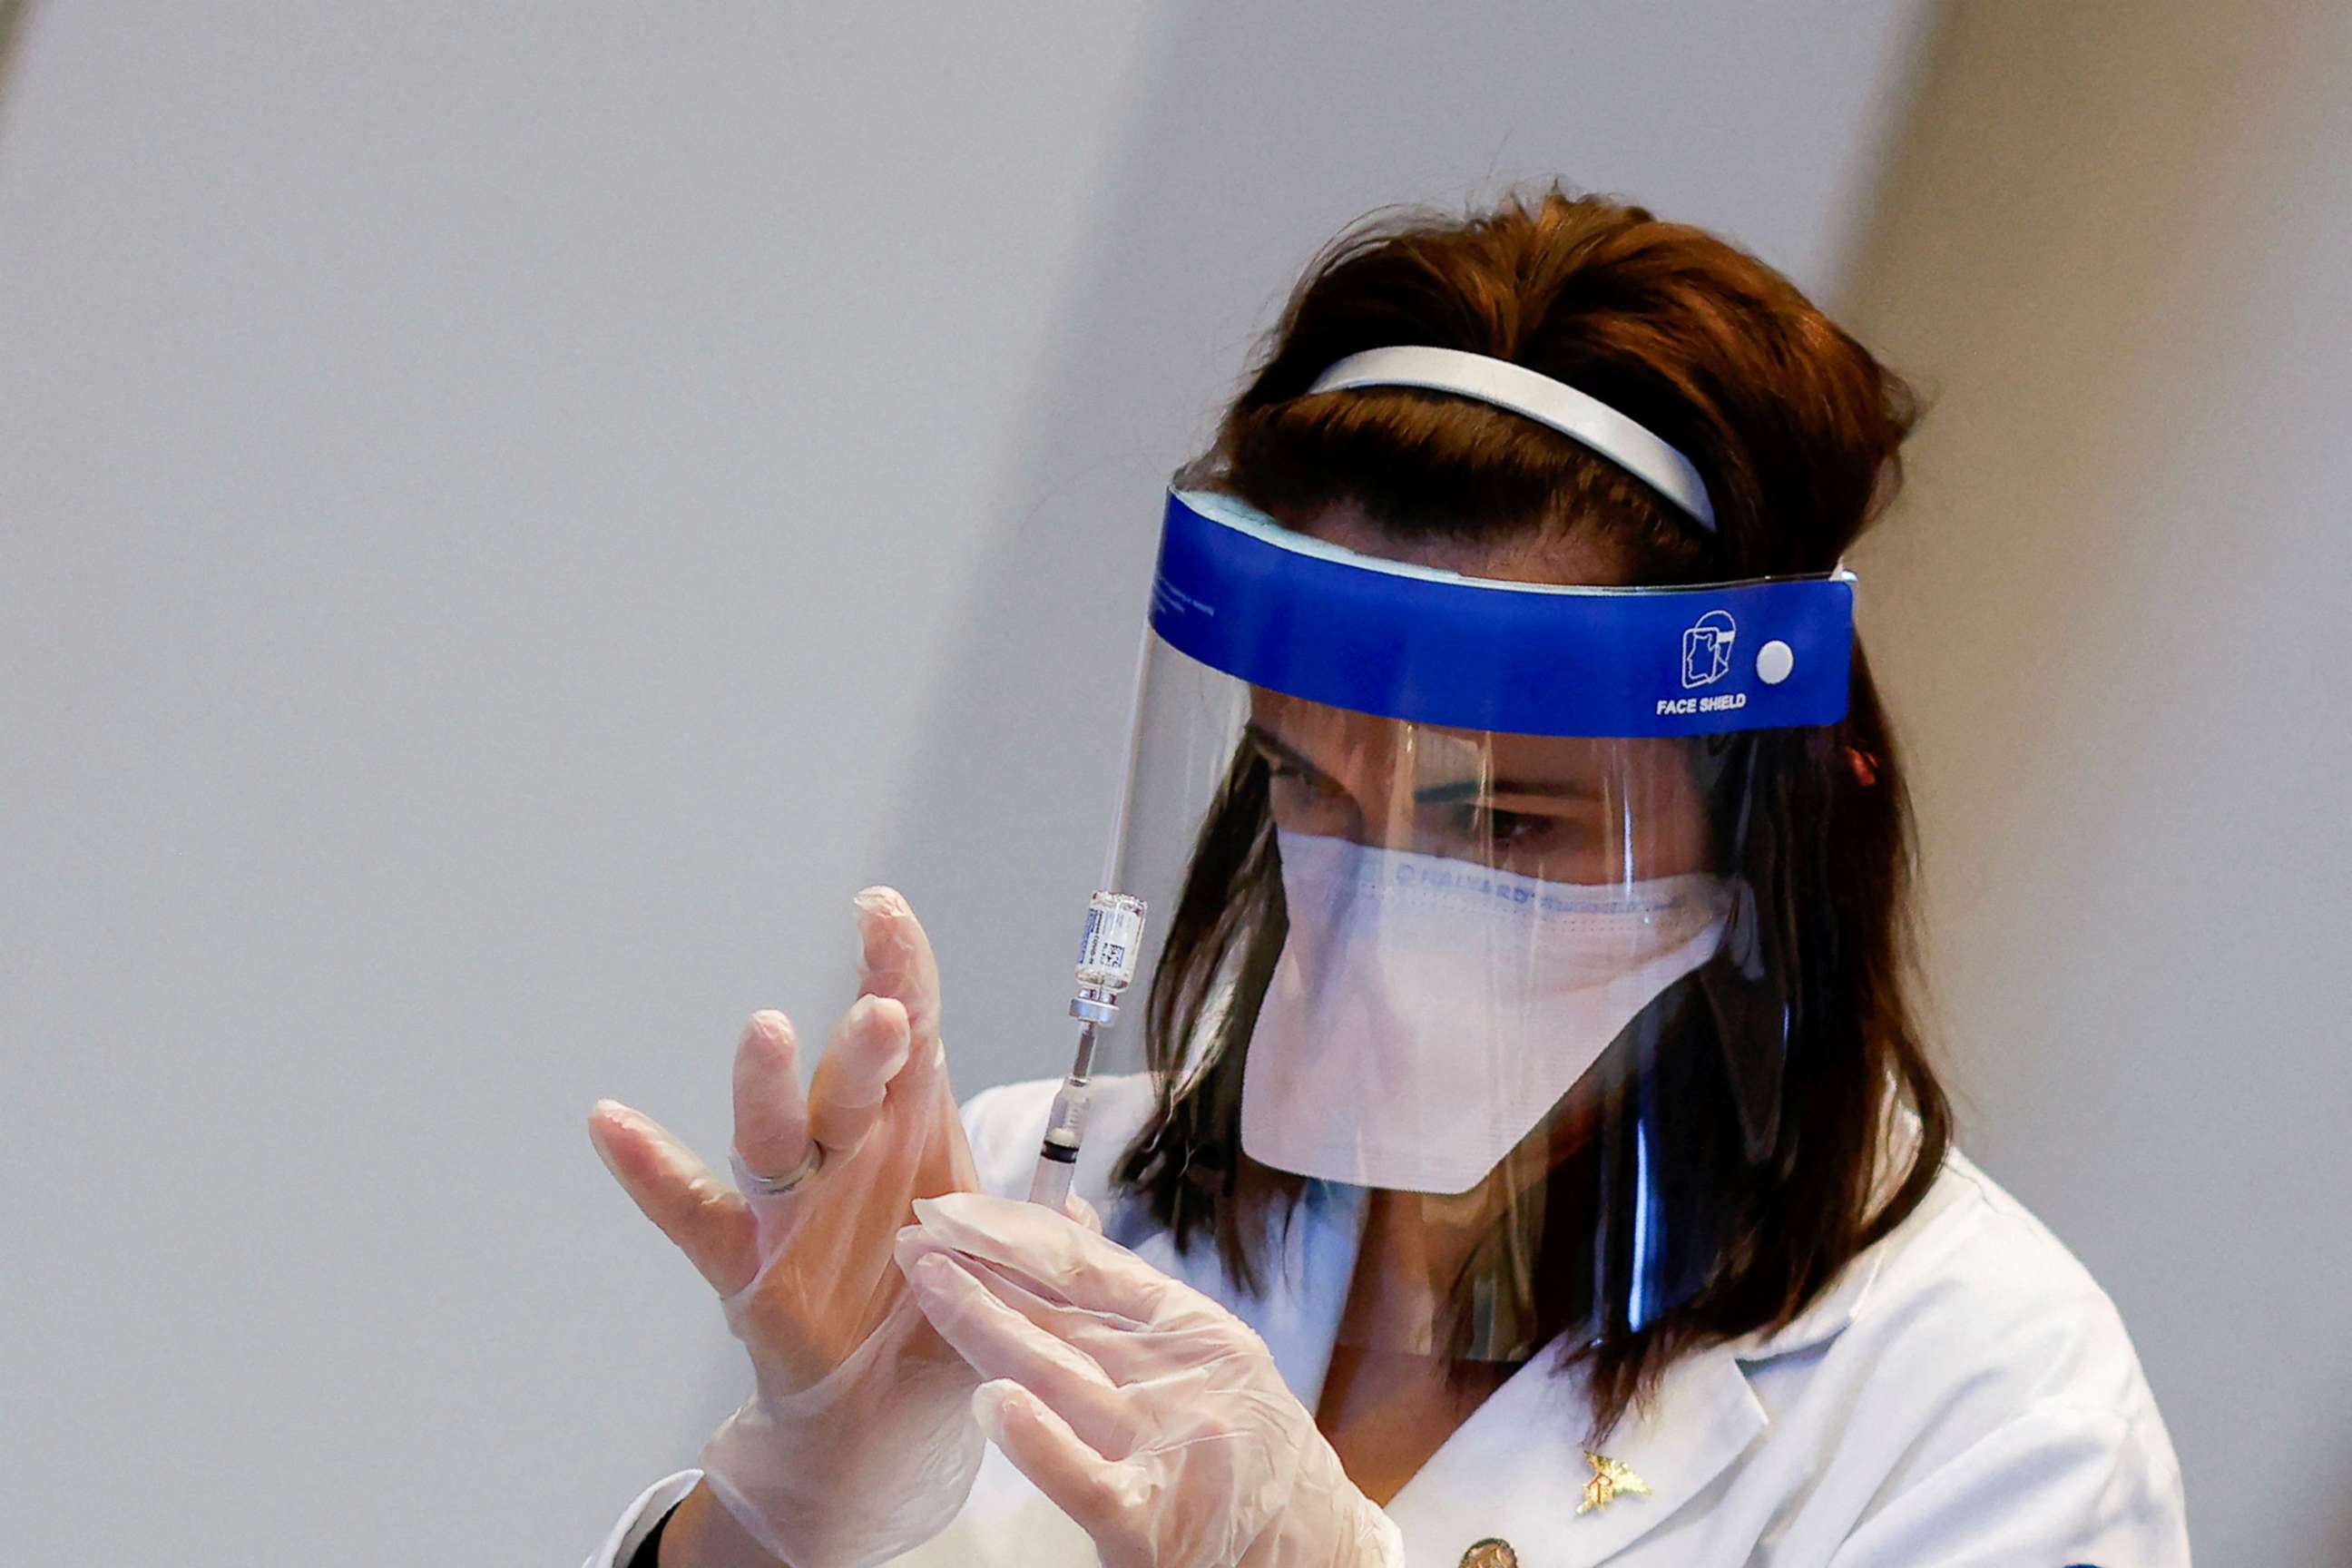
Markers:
(1795, 429)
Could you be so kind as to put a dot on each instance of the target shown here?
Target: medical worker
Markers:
(1538, 1161)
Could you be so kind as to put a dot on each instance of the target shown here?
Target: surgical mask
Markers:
(1427, 1015)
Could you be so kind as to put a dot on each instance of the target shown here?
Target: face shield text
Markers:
(1667, 705)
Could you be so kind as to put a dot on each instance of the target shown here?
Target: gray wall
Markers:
(508, 515)
(2117, 240)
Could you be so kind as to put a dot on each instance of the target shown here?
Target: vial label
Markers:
(1114, 931)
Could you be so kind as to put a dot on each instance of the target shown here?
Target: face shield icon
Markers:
(1706, 650)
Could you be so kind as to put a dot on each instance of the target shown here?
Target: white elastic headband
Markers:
(1576, 414)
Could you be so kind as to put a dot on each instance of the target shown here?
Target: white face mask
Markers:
(1426, 1015)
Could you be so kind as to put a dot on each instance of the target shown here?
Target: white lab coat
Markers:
(1963, 1395)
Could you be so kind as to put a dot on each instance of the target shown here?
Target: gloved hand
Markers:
(858, 1442)
(1147, 1411)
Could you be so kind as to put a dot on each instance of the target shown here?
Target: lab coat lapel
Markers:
(1517, 1469)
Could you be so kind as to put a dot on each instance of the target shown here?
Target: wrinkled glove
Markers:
(1144, 1410)
(858, 1442)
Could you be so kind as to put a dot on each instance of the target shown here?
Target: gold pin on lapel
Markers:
(1610, 1480)
(1492, 1553)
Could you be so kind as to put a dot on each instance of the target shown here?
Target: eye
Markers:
(1302, 788)
(1507, 829)
(1293, 778)
(1526, 840)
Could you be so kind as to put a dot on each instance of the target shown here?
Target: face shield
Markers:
(1467, 891)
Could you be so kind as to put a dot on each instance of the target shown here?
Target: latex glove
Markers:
(858, 1441)
(1147, 1411)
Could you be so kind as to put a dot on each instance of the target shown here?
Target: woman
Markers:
(1538, 1160)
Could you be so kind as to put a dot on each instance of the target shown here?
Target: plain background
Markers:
(509, 514)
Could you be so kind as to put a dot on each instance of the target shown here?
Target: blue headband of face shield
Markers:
(1269, 605)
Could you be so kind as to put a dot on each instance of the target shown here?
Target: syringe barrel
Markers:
(1050, 1185)
(1058, 1155)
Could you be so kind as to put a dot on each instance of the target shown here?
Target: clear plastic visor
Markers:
(1510, 989)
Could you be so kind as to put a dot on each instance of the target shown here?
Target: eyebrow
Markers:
(1474, 789)
(1268, 741)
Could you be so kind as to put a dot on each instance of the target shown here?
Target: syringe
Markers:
(1105, 967)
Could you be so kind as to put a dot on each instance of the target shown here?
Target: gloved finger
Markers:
(1058, 1463)
(1126, 1351)
(1078, 1264)
(1039, 1301)
(867, 1050)
(708, 1220)
(998, 1342)
(772, 1119)
(895, 960)
(1083, 1212)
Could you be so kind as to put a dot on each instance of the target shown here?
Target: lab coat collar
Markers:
(1836, 1308)
(1829, 1315)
